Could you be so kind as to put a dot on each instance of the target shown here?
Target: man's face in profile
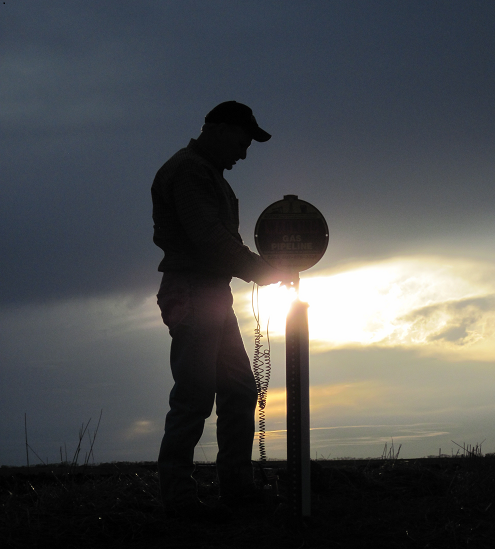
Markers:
(234, 143)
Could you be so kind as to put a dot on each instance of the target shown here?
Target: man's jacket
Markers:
(196, 219)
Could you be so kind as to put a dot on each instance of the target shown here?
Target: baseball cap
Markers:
(231, 112)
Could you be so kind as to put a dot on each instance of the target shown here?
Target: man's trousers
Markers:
(207, 359)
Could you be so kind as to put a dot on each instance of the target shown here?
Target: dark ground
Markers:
(383, 503)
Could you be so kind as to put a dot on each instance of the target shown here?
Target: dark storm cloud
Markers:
(382, 115)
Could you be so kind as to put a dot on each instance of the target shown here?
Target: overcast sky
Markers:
(382, 116)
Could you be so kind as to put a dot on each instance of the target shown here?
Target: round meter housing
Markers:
(291, 234)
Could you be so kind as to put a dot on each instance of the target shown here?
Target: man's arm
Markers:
(198, 209)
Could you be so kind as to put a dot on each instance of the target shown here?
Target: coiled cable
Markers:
(261, 369)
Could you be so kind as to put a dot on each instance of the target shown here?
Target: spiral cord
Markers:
(261, 370)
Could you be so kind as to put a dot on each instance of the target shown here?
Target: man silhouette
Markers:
(196, 223)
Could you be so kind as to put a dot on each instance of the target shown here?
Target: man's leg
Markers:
(236, 404)
(190, 405)
(195, 312)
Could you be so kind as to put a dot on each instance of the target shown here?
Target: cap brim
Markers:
(260, 135)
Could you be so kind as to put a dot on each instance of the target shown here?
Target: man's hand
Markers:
(272, 276)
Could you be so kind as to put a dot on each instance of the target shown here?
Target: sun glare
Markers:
(421, 302)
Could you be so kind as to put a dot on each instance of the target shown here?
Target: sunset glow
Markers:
(436, 304)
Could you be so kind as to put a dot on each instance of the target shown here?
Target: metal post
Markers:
(297, 377)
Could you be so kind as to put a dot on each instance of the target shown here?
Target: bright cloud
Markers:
(435, 304)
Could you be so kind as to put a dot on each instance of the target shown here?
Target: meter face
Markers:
(291, 234)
